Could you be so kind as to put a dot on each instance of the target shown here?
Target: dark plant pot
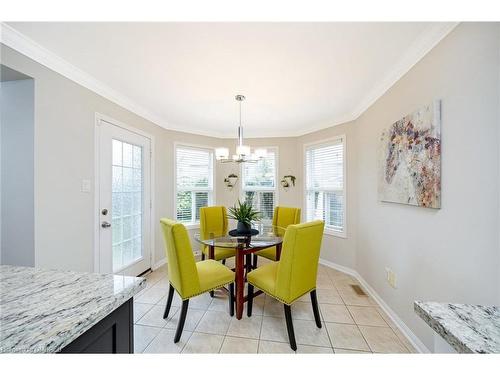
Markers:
(243, 228)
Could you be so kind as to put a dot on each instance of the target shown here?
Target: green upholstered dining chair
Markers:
(282, 218)
(187, 277)
(294, 274)
(213, 222)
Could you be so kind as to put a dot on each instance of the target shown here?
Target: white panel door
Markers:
(124, 201)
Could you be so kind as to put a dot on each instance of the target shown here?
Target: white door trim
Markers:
(97, 220)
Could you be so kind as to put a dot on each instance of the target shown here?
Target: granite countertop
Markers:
(42, 311)
(467, 328)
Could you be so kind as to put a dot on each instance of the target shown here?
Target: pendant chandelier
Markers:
(243, 153)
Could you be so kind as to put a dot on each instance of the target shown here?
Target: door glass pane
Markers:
(127, 154)
(127, 204)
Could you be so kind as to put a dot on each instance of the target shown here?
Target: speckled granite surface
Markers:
(467, 328)
(41, 311)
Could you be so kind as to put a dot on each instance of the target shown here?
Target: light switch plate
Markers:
(85, 186)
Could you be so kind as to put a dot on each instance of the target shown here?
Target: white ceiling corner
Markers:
(316, 63)
(28, 47)
(413, 55)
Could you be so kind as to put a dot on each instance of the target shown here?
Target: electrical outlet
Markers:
(393, 280)
(390, 276)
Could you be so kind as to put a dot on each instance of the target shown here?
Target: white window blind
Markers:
(194, 182)
(259, 184)
(325, 184)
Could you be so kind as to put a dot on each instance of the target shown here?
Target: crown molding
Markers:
(421, 47)
(28, 47)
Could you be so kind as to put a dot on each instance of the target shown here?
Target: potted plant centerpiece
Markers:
(245, 214)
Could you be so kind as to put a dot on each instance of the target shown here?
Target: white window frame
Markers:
(274, 149)
(212, 193)
(328, 230)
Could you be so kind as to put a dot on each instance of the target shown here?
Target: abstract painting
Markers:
(410, 159)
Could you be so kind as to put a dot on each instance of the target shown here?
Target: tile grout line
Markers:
(395, 333)
(352, 317)
(326, 328)
(262, 323)
(342, 299)
(335, 286)
(357, 325)
(149, 343)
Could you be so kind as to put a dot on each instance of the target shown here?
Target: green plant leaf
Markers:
(244, 213)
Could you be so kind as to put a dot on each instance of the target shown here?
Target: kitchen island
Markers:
(49, 311)
(465, 328)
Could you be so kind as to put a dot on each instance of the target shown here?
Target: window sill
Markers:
(192, 226)
(335, 233)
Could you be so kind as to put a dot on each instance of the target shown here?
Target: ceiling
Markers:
(297, 77)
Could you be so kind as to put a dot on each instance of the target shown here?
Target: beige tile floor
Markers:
(351, 323)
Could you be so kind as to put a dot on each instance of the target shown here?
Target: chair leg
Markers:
(231, 299)
(254, 263)
(223, 262)
(314, 301)
(249, 300)
(289, 327)
(169, 301)
(212, 293)
(182, 320)
(202, 256)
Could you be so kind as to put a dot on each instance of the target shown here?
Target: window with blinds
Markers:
(259, 184)
(325, 196)
(194, 182)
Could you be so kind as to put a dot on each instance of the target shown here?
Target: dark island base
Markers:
(113, 334)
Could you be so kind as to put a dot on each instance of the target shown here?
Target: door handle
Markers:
(105, 224)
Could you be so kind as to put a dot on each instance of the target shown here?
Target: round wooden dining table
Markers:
(244, 246)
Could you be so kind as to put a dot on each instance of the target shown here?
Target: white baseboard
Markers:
(414, 340)
(159, 264)
(410, 336)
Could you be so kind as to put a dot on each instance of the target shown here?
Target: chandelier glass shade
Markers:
(243, 153)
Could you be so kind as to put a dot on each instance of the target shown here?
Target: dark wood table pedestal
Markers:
(243, 265)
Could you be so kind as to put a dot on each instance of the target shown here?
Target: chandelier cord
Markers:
(240, 128)
(243, 153)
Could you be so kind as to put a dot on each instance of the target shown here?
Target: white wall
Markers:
(451, 254)
(17, 173)
(64, 155)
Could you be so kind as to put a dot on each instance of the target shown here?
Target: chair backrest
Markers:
(285, 216)
(298, 265)
(213, 221)
(182, 271)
